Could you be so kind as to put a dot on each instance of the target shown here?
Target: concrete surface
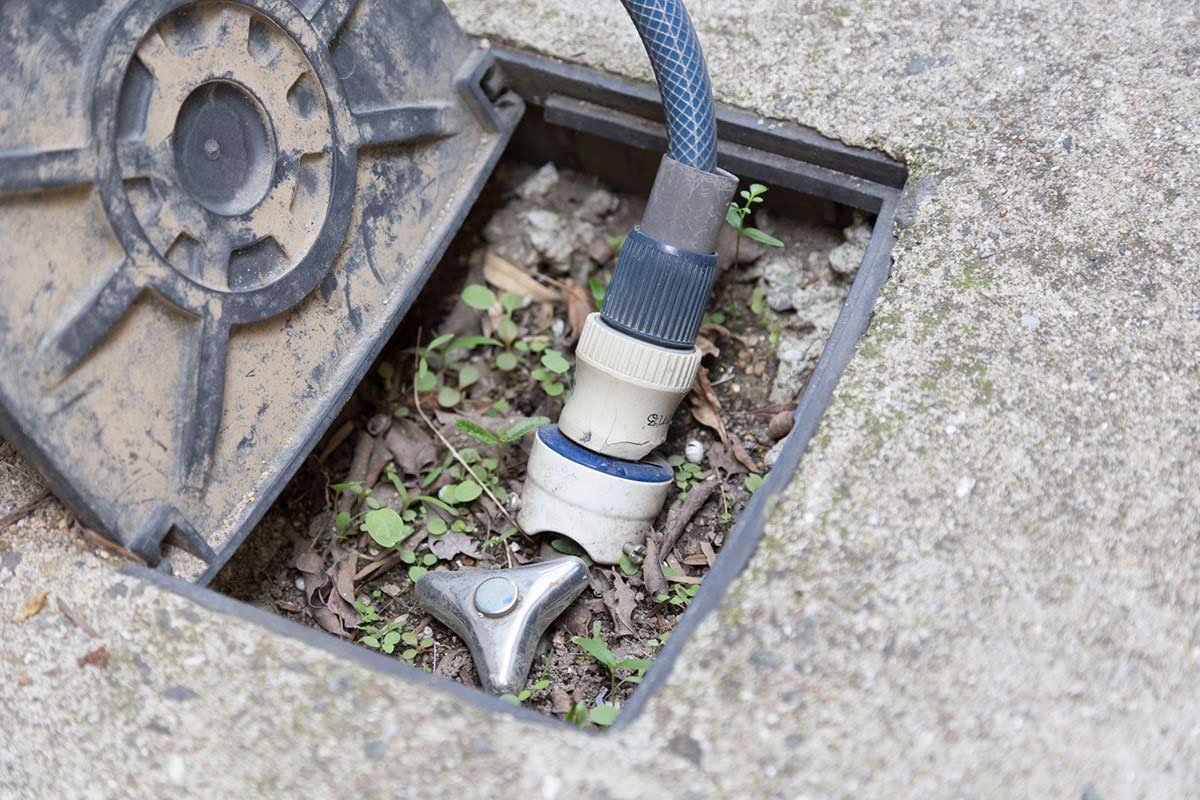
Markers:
(984, 580)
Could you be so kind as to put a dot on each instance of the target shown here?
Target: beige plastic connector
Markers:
(626, 391)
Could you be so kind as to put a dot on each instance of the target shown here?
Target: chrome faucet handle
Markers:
(502, 613)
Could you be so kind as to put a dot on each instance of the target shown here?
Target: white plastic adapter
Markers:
(626, 391)
(599, 503)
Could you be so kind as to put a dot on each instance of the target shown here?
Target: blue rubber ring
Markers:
(639, 471)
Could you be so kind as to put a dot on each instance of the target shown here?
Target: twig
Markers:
(381, 565)
(112, 547)
(652, 572)
(696, 498)
(454, 452)
(19, 513)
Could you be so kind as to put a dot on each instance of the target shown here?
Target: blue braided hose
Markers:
(683, 81)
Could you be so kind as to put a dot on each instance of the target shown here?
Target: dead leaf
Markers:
(381, 456)
(328, 620)
(579, 306)
(411, 446)
(31, 608)
(506, 276)
(621, 602)
(742, 456)
(693, 556)
(704, 405)
(576, 619)
(343, 577)
(98, 658)
(73, 617)
(684, 579)
(451, 544)
(720, 457)
(714, 330)
(707, 347)
(709, 553)
(560, 701)
(652, 573)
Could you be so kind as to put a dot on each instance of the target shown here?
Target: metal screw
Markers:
(636, 553)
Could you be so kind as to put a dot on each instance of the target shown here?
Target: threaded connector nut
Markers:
(658, 292)
(626, 391)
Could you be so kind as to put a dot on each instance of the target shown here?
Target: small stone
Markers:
(504, 234)
(176, 770)
(556, 237)
(845, 258)
(964, 487)
(601, 251)
(694, 451)
(537, 185)
(300, 583)
(780, 424)
(597, 206)
(390, 589)
(798, 356)
(819, 307)
(772, 455)
(781, 278)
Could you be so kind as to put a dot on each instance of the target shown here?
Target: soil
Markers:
(558, 229)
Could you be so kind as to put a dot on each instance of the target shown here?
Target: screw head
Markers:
(496, 596)
(212, 149)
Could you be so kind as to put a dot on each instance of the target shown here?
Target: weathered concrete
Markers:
(984, 580)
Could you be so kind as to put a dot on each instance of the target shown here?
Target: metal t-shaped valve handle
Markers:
(501, 614)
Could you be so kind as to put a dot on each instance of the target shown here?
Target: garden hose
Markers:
(637, 358)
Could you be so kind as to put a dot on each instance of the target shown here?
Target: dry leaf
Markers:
(721, 458)
(704, 405)
(579, 306)
(707, 347)
(742, 456)
(621, 602)
(411, 446)
(560, 701)
(98, 658)
(451, 544)
(652, 573)
(31, 608)
(576, 619)
(506, 276)
(343, 577)
(328, 620)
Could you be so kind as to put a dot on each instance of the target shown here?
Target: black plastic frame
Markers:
(778, 153)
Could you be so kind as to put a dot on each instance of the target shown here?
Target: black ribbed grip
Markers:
(658, 292)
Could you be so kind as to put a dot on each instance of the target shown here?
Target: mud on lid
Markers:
(214, 215)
